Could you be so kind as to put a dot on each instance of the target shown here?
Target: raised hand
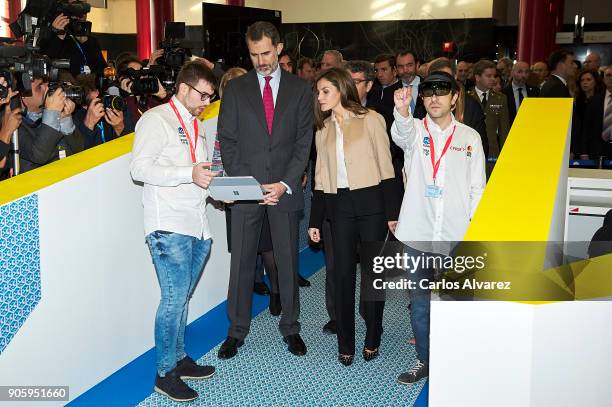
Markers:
(402, 98)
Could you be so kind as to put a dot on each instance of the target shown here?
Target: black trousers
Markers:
(348, 229)
(328, 248)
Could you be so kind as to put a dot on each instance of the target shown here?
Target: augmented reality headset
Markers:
(428, 89)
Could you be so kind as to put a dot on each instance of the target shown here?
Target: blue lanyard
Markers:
(101, 127)
(79, 47)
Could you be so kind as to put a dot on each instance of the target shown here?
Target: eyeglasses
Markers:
(203, 95)
(438, 89)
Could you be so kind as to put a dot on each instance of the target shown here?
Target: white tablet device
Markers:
(235, 189)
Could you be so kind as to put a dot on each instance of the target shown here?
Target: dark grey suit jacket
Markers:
(246, 146)
(554, 88)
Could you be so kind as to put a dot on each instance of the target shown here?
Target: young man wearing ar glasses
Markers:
(445, 169)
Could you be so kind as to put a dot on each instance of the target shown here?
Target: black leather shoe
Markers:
(186, 368)
(302, 282)
(229, 349)
(261, 289)
(330, 328)
(275, 304)
(296, 344)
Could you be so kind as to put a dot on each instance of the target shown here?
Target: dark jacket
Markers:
(67, 48)
(512, 108)
(587, 125)
(554, 88)
(247, 148)
(94, 137)
(40, 144)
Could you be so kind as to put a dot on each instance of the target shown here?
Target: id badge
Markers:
(62, 154)
(433, 191)
(85, 69)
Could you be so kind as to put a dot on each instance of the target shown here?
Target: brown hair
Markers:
(440, 63)
(192, 72)
(229, 75)
(385, 57)
(260, 29)
(349, 97)
(580, 95)
(483, 65)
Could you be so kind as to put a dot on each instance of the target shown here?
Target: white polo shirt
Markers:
(161, 159)
(461, 176)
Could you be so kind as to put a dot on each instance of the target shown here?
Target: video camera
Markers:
(174, 56)
(45, 11)
(20, 65)
(145, 80)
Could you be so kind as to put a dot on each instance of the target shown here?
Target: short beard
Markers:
(273, 68)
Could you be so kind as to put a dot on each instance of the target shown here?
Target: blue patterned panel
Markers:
(19, 265)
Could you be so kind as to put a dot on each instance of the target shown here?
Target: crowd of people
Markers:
(397, 146)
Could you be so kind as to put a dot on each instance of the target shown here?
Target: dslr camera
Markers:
(75, 93)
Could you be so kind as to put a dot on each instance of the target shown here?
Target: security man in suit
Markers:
(561, 67)
(494, 105)
(517, 89)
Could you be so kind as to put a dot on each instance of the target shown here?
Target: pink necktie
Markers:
(268, 101)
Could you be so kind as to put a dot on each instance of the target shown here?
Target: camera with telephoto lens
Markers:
(21, 65)
(146, 81)
(114, 102)
(72, 92)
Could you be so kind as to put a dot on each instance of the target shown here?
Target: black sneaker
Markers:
(186, 368)
(418, 372)
(173, 387)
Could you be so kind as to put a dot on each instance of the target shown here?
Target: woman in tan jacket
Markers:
(354, 189)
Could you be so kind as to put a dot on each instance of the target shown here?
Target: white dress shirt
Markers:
(461, 176)
(342, 180)
(161, 159)
(274, 82)
(480, 93)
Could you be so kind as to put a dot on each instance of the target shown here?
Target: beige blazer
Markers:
(366, 152)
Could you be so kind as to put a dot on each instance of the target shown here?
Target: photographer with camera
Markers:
(140, 87)
(70, 38)
(47, 132)
(103, 117)
(10, 120)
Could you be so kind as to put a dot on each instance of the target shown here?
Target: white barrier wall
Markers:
(99, 289)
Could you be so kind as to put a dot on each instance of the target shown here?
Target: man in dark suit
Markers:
(518, 89)
(265, 131)
(561, 66)
(380, 99)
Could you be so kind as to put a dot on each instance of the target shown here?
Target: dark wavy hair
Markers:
(349, 98)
